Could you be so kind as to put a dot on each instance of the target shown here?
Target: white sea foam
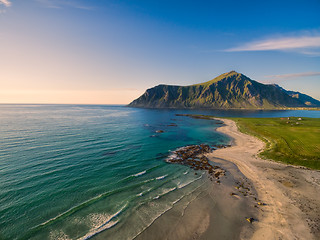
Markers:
(144, 192)
(182, 185)
(174, 202)
(59, 235)
(102, 222)
(152, 221)
(70, 210)
(149, 180)
(160, 214)
(99, 230)
(164, 192)
(161, 177)
(139, 174)
(174, 155)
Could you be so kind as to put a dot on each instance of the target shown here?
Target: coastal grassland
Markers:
(291, 140)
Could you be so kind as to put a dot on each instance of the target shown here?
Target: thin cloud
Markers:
(308, 45)
(295, 75)
(286, 77)
(62, 4)
(6, 3)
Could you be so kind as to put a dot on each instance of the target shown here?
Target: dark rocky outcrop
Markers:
(193, 156)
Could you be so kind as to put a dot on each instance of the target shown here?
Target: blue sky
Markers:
(107, 52)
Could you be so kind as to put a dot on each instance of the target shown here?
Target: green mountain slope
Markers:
(229, 90)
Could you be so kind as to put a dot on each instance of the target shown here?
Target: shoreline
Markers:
(291, 193)
(282, 200)
(212, 213)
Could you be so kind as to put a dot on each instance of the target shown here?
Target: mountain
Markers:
(227, 91)
(307, 100)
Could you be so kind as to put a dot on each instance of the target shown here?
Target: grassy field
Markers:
(293, 141)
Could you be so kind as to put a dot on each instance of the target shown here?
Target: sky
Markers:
(110, 52)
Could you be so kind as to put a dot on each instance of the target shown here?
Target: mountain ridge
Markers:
(308, 100)
(231, 90)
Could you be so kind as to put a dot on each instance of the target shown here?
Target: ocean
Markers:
(98, 171)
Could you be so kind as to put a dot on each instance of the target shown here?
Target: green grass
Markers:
(286, 141)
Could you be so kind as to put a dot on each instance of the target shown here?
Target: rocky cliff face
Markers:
(229, 90)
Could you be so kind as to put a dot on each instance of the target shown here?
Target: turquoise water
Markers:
(74, 171)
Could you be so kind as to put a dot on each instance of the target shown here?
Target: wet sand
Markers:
(212, 213)
(291, 194)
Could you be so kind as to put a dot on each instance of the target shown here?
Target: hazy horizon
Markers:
(110, 52)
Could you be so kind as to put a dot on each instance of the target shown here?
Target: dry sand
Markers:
(291, 194)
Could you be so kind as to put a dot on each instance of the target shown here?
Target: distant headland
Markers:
(230, 90)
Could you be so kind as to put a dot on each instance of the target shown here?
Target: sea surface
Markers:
(82, 171)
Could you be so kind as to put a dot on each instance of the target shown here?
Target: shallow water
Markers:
(74, 171)
(209, 212)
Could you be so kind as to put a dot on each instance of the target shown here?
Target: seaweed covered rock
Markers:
(193, 156)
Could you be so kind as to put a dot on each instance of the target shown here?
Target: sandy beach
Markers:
(291, 194)
(212, 213)
(282, 200)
